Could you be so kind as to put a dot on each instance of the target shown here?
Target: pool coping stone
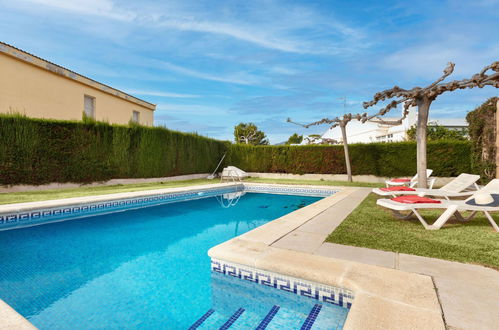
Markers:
(384, 298)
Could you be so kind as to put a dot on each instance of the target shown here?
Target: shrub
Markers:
(37, 151)
(446, 158)
(482, 130)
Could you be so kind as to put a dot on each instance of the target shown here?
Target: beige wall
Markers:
(37, 92)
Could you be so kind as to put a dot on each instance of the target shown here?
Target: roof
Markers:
(62, 71)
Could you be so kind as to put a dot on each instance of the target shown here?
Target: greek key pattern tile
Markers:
(46, 215)
(326, 294)
(39, 216)
(318, 192)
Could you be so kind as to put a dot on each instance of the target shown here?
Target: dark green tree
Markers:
(248, 133)
(437, 132)
(295, 139)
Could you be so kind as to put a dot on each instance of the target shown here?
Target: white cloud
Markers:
(277, 34)
(241, 78)
(429, 60)
(161, 94)
(191, 109)
(104, 8)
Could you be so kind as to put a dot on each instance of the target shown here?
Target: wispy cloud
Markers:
(190, 109)
(275, 36)
(161, 94)
(105, 8)
(241, 78)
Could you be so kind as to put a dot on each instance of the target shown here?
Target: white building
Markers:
(374, 132)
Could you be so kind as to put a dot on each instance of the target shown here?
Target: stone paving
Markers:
(468, 294)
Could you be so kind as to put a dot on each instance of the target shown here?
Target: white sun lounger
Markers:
(458, 187)
(233, 173)
(451, 207)
(413, 181)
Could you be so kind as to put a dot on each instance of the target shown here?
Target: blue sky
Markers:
(209, 65)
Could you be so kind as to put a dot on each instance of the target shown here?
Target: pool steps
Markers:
(244, 319)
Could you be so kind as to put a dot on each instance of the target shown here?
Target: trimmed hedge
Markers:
(38, 151)
(446, 158)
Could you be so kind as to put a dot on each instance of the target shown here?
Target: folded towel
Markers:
(400, 188)
(413, 199)
(400, 180)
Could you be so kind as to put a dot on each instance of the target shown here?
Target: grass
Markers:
(373, 227)
(41, 195)
(316, 182)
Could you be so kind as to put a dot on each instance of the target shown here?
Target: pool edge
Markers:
(384, 298)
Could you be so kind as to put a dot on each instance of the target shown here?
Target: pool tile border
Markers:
(68, 212)
(21, 215)
(327, 294)
(298, 190)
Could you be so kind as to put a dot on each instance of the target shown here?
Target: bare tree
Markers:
(422, 98)
(335, 122)
(417, 96)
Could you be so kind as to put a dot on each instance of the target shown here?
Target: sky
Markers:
(209, 65)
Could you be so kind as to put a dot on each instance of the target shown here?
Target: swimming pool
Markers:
(145, 268)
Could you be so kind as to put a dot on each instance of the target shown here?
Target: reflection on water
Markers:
(229, 199)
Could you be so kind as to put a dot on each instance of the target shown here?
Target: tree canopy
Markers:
(248, 133)
(438, 132)
(295, 139)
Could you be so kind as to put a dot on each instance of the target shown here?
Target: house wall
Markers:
(27, 87)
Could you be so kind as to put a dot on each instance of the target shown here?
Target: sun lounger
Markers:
(233, 173)
(458, 187)
(450, 207)
(411, 182)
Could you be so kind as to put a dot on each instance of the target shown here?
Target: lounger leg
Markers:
(491, 220)
(444, 217)
(400, 215)
(423, 222)
(460, 217)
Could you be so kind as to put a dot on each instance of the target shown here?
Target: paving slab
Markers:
(469, 294)
(301, 241)
(364, 255)
(330, 219)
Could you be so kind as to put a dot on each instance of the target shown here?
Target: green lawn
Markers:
(317, 182)
(33, 196)
(374, 227)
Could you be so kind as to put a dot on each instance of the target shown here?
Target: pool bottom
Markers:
(243, 304)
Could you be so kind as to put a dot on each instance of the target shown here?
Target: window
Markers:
(89, 103)
(135, 116)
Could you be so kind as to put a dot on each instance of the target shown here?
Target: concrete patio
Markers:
(465, 291)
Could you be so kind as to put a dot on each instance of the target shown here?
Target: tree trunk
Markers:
(345, 147)
(423, 111)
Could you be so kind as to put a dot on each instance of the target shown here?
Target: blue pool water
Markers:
(145, 268)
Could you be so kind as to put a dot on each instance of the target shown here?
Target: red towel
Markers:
(400, 188)
(400, 180)
(413, 199)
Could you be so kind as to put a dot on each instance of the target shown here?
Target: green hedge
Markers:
(36, 151)
(446, 158)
